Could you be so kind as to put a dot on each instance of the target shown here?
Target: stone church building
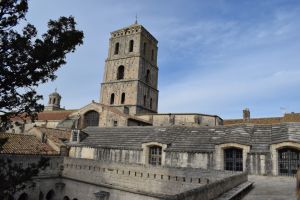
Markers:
(122, 148)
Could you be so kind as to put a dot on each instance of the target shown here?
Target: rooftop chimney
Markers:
(246, 114)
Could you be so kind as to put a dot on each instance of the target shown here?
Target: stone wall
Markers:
(170, 119)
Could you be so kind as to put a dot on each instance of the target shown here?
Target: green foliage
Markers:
(15, 177)
(27, 61)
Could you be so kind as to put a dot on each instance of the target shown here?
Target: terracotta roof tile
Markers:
(23, 144)
(56, 135)
(54, 115)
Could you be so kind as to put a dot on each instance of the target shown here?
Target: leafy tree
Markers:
(27, 60)
(15, 177)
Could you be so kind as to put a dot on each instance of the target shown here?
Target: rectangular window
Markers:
(115, 123)
(155, 155)
(75, 135)
(145, 47)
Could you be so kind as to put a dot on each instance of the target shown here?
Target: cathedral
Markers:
(122, 148)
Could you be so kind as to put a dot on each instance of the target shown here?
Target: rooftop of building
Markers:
(192, 139)
(288, 117)
(24, 144)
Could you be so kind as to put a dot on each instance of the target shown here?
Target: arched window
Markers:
(144, 49)
(54, 100)
(150, 103)
(120, 74)
(131, 46)
(233, 159)
(112, 98)
(145, 100)
(50, 195)
(123, 98)
(91, 118)
(66, 198)
(148, 76)
(117, 45)
(23, 196)
(155, 155)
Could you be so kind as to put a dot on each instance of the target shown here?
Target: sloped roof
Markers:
(57, 136)
(192, 139)
(23, 144)
(54, 115)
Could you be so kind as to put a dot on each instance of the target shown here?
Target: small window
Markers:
(150, 103)
(145, 100)
(155, 155)
(152, 54)
(148, 76)
(144, 49)
(117, 45)
(131, 46)
(120, 74)
(112, 98)
(75, 135)
(115, 123)
(123, 98)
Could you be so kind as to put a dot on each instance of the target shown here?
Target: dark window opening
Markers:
(145, 100)
(112, 98)
(288, 161)
(155, 155)
(54, 100)
(144, 49)
(91, 118)
(50, 195)
(23, 196)
(131, 46)
(233, 159)
(117, 48)
(123, 98)
(152, 54)
(148, 76)
(150, 103)
(115, 123)
(120, 74)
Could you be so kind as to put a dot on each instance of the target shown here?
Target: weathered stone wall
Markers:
(187, 159)
(182, 119)
(84, 178)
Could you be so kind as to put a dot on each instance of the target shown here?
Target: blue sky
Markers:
(215, 57)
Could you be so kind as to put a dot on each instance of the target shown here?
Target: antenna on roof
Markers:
(136, 19)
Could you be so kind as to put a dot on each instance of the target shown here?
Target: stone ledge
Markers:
(237, 192)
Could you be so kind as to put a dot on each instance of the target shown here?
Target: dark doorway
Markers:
(288, 161)
(50, 195)
(23, 196)
(233, 159)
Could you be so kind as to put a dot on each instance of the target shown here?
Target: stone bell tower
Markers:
(131, 72)
(54, 102)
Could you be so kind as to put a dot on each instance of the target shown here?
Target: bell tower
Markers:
(131, 72)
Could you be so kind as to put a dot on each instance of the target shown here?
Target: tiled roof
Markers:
(270, 120)
(56, 135)
(196, 139)
(48, 115)
(23, 144)
(288, 117)
(54, 115)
